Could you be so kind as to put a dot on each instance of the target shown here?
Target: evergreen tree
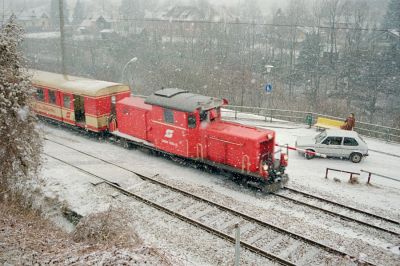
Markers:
(392, 17)
(20, 143)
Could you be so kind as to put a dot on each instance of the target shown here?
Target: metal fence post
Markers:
(326, 173)
(387, 135)
(271, 116)
(237, 245)
(235, 114)
(369, 178)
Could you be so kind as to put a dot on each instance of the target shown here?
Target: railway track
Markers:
(364, 218)
(267, 240)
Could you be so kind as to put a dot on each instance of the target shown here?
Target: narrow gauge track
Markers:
(268, 240)
(312, 201)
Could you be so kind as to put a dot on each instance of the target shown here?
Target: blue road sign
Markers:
(268, 88)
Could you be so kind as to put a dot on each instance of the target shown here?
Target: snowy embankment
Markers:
(194, 246)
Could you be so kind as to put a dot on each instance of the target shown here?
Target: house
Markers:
(34, 19)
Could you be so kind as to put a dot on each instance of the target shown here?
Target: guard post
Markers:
(309, 120)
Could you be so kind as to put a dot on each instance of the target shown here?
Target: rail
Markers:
(214, 204)
(385, 133)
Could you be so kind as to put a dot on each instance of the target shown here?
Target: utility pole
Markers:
(2, 22)
(62, 38)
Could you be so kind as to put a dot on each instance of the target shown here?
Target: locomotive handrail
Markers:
(201, 150)
(245, 158)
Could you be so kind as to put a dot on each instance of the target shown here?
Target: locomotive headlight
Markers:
(269, 136)
(285, 157)
(265, 167)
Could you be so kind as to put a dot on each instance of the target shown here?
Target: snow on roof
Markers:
(395, 32)
(42, 35)
(340, 132)
(107, 31)
(34, 13)
(214, 13)
(182, 100)
(76, 85)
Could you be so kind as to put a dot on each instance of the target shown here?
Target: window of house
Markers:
(39, 94)
(52, 97)
(333, 141)
(350, 142)
(67, 101)
(169, 116)
(192, 121)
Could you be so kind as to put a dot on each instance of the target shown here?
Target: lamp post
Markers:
(134, 59)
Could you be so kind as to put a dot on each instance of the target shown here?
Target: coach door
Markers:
(79, 108)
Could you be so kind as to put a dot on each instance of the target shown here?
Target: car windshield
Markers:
(320, 137)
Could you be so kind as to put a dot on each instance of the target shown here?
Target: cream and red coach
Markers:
(78, 101)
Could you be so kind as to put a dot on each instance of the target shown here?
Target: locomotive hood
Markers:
(239, 131)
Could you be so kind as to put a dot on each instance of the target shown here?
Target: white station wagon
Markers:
(335, 143)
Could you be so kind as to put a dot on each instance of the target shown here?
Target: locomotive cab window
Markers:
(52, 97)
(203, 115)
(39, 94)
(168, 116)
(191, 121)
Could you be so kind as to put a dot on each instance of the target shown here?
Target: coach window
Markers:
(191, 121)
(39, 94)
(113, 102)
(168, 116)
(67, 101)
(52, 97)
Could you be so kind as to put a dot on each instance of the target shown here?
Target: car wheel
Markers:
(308, 155)
(355, 157)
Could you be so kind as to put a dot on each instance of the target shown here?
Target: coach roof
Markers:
(76, 85)
(182, 100)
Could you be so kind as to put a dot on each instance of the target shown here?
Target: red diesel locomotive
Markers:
(189, 126)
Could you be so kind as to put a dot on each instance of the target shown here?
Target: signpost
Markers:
(268, 88)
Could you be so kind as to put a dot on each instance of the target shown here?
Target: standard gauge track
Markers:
(268, 240)
(342, 211)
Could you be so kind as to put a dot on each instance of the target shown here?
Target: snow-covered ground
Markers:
(383, 193)
(74, 187)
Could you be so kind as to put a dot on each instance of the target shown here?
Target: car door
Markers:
(331, 146)
(349, 146)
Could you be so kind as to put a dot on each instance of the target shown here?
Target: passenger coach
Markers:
(78, 101)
